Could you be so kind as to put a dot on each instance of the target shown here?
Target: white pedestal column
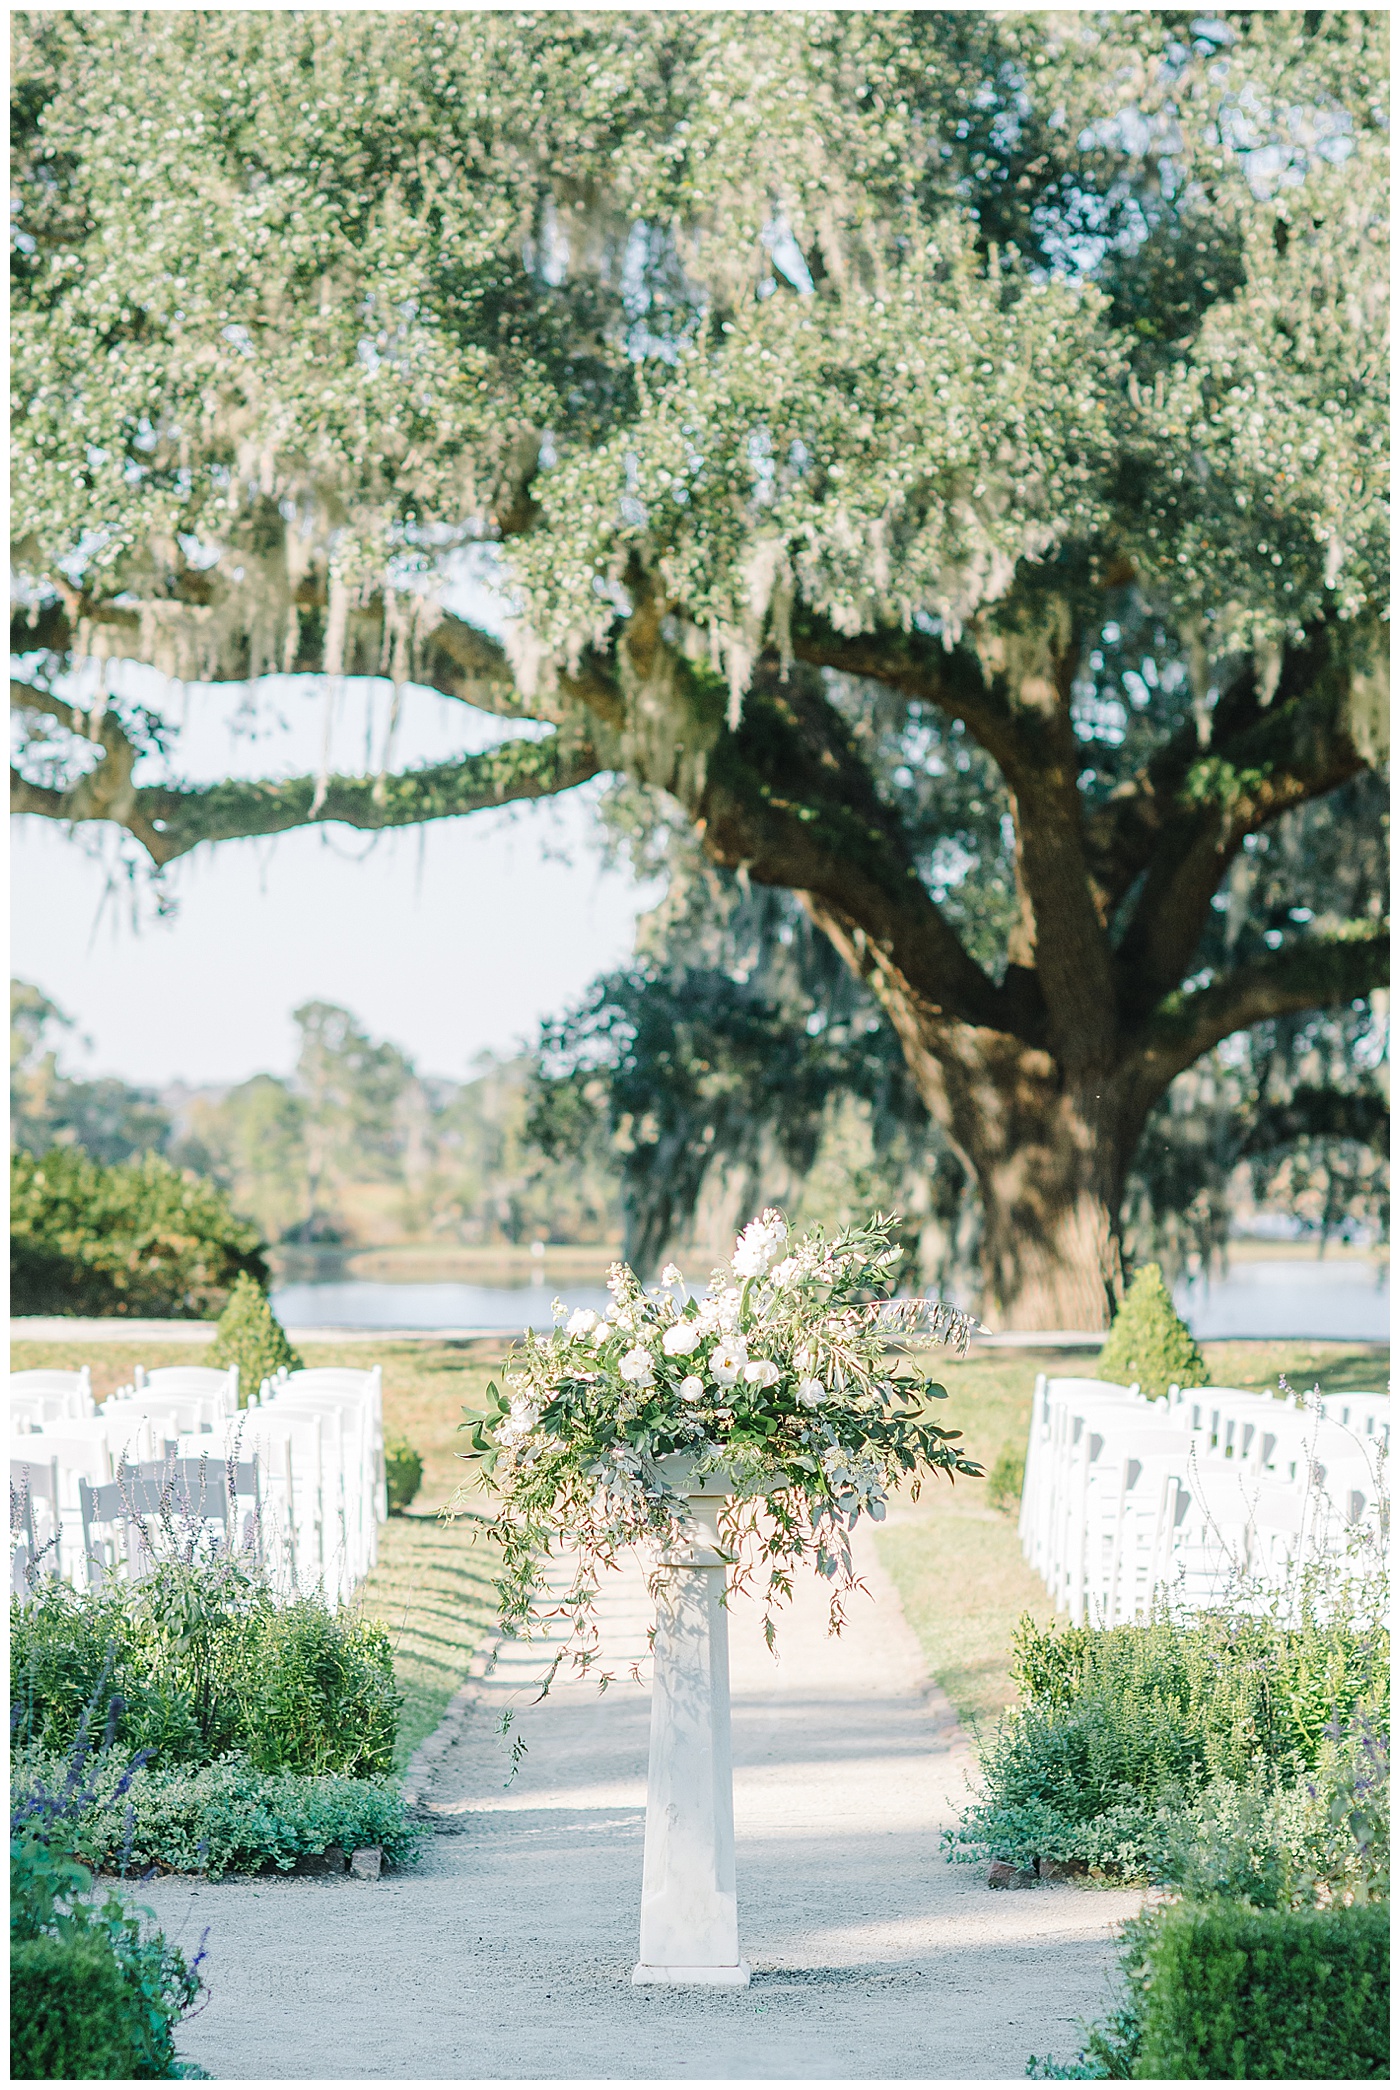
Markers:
(690, 1919)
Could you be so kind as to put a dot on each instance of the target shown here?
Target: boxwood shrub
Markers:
(94, 1993)
(1242, 1994)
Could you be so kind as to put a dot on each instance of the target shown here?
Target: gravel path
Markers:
(507, 1952)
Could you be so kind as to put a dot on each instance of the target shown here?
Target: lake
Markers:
(1334, 1300)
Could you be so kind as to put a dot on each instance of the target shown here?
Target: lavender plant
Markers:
(782, 1377)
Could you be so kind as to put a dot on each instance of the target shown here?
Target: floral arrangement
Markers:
(781, 1377)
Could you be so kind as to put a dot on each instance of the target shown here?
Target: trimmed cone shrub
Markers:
(138, 1238)
(251, 1336)
(403, 1472)
(1149, 1344)
(1236, 1994)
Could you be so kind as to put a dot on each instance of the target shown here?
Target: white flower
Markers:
(762, 1373)
(759, 1243)
(600, 1335)
(671, 1275)
(811, 1393)
(719, 1314)
(787, 1272)
(523, 1417)
(692, 1388)
(727, 1360)
(681, 1338)
(581, 1323)
(637, 1367)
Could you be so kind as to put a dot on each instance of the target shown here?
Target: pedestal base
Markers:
(692, 1977)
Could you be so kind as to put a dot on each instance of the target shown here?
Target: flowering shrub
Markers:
(780, 1378)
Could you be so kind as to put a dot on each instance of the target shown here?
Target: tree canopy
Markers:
(847, 405)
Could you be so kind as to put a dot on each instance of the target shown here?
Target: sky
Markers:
(450, 945)
(451, 940)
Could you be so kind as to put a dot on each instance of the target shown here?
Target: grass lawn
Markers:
(957, 1562)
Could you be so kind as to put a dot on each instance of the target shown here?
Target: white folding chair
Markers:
(39, 1397)
(35, 1518)
(191, 1381)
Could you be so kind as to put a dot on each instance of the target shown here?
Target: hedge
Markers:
(1239, 1994)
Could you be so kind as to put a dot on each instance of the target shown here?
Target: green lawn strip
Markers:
(956, 1561)
(432, 1591)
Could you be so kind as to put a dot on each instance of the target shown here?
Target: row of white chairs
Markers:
(297, 1477)
(1207, 1495)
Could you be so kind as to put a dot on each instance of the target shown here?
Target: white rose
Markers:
(759, 1243)
(680, 1339)
(811, 1393)
(727, 1360)
(581, 1323)
(523, 1417)
(692, 1388)
(762, 1373)
(637, 1367)
(600, 1335)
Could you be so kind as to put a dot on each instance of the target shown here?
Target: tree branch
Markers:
(451, 656)
(788, 800)
(1184, 819)
(1315, 973)
(171, 820)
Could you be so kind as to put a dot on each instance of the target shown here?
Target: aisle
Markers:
(507, 1952)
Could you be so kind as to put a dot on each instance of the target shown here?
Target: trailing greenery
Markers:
(139, 1238)
(1122, 1732)
(1149, 1345)
(198, 1661)
(93, 1992)
(251, 1336)
(403, 1473)
(227, 1816)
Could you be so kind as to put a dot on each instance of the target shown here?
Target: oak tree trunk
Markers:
(1047, 1153)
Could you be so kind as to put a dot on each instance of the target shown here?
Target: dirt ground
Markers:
(507, 1952)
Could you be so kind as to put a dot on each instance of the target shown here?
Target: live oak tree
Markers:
(1002, 390)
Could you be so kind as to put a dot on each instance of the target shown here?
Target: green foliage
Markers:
(1149, 1344)
(201, 1661)
(251, 1336)
(139, 1238)
(92, 1992)
(403, 1472)
(1121, 1732)
(1222, 1992)
(1234, 1993)
(1006, 1480)
(227, 1816)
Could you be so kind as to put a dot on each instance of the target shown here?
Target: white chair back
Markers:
(197, 1381)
